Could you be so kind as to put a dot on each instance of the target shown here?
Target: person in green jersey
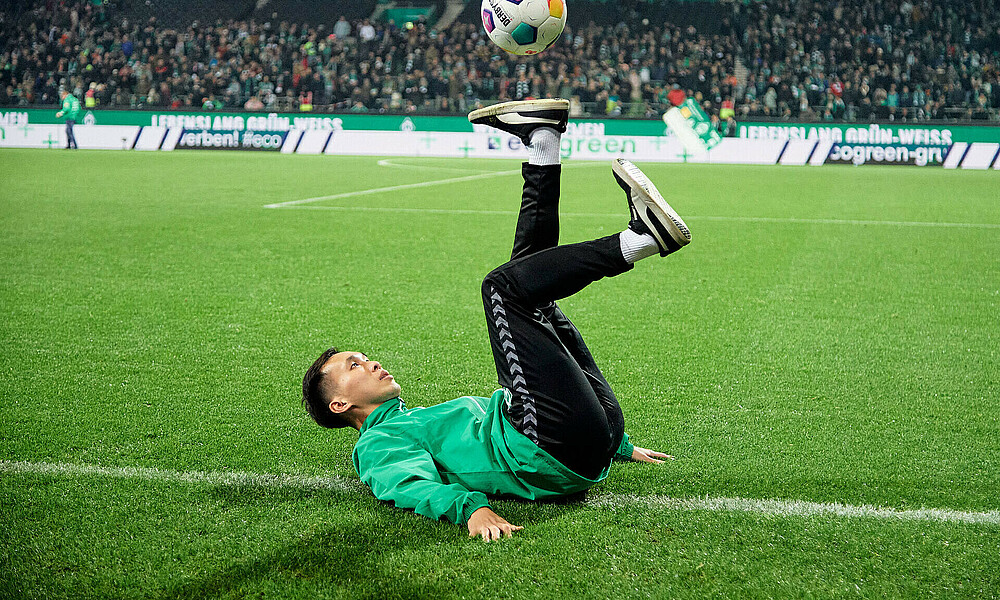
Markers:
(554, 426)
(71, 110)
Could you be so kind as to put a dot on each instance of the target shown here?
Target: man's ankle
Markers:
(636, 246)
(544, 147)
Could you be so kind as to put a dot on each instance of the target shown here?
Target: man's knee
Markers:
(498, 285)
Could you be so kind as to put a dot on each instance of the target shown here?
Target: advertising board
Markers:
(903, 133)
(401, 135)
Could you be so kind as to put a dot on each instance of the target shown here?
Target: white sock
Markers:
(543, 148)
(636, 246)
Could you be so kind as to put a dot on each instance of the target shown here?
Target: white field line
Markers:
(392, 188)
(385, 162)
(794, 508)
(405, 186)
(302, 204)
(433, 211)
(219, 478)
(769, 507)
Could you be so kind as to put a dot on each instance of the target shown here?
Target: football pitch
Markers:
(823, 361)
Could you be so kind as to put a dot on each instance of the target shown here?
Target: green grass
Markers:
(156, 315)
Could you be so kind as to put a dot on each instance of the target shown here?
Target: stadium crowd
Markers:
(802, 59)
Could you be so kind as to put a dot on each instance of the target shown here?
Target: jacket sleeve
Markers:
(624, 451)
(407, 476)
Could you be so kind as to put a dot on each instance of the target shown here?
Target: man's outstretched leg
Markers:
(559, 397)
(540, 124)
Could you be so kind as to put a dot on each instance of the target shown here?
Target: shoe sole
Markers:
(518, 106)
(667, 221)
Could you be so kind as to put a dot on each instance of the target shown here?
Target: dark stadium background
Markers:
(850, 60)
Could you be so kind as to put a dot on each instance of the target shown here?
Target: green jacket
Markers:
(70, 108)
(442, 460)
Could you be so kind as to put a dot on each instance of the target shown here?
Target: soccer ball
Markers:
(524, 26)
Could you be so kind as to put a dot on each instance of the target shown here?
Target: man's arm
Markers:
(647, 455)
(628, 451)
(408, 477)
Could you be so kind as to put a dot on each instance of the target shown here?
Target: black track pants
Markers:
(560, 399)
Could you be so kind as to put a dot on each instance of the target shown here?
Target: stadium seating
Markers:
(854, 60)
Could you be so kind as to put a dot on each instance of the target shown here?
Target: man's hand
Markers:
(647, 455)
(490, 525)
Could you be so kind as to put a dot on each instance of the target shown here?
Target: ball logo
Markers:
(499, 12)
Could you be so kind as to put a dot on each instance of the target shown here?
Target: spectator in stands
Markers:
(342, 29)
(254, 103)
(366, 32)
(676, 95)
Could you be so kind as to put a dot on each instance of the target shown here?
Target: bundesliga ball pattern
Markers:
(524, 26)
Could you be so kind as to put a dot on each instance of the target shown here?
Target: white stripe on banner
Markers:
(292, 139)
(955, 155)
(770, 507)
(980, 155)
(798, 152)
(171, 138)
(150, 138)
(821, 153)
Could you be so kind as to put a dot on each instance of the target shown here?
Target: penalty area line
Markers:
(386, 162)
(405, 186)
(768, 507)
(392, 188)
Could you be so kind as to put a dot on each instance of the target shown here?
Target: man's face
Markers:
(359, 381)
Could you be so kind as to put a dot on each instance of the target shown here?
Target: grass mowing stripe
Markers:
(851, 222)
(793, 220)
(771, 507)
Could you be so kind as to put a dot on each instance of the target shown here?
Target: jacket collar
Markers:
(384, 412)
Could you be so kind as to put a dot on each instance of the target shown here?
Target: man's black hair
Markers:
(316, 402)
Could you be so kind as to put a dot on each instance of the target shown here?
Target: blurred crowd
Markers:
(813, 60)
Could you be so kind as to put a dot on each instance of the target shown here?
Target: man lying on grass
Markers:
(555, 425)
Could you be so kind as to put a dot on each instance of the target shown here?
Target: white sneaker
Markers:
(521, 117)
(650, 212)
